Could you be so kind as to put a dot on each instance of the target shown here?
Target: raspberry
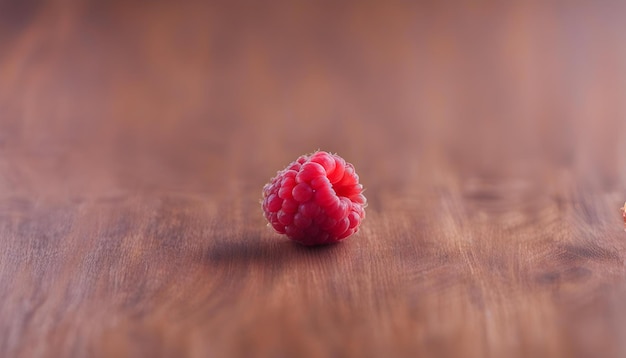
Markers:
(315, 200)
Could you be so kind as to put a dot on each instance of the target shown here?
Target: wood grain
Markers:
(135, 138)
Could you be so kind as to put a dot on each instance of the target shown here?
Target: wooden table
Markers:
(135, 138)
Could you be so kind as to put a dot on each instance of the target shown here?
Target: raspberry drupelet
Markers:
(315, 200)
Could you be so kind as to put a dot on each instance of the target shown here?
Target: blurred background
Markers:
(136, 136)
(100, 96)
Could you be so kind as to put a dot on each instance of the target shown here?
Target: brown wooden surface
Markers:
(135, 138)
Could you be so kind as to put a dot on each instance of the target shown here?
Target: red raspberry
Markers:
(315, 200)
